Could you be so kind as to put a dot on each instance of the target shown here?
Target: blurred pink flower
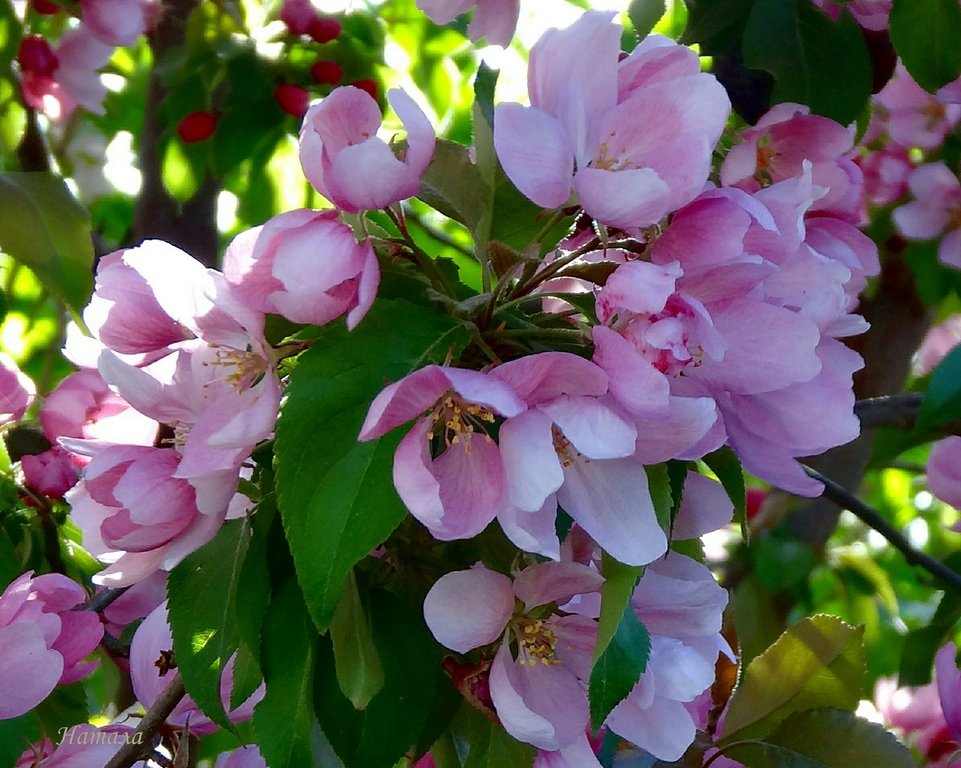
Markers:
(935, 211)
(495, 20)
(43, 642)
(16, 391)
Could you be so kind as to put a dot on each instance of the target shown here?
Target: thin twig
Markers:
(899, 410)
(870, 516)
(102, 599)
(137, 748)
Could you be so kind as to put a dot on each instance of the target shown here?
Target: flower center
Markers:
(536, 643)
(453, 421)
(243, 367)
(765, 155)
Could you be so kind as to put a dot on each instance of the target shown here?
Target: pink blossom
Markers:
(539, 696)
(306, 266)
(778, 145)
(51, 473)
(680, 603)
(936, 210)
(495, 20)
(632, 139)
(870, 14)
(242, 757)
(152, 667)
(447, 470)
(118, 22)
(944, 472)
(138, 516)
(83, 406)
(938, 341)
(81, 55)
(573, 446)
(135, 603)
(43, 642)
(348, 164)
(886, 173)
(911, 115)
(80, 746)
(298, 15)
(16, 391)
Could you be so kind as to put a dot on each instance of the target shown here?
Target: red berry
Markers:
(755, 498)
(292, 99)
(36, 55)
(327, 72)
(46, 7)
(323, 29)
(367, 85)
(197, 126)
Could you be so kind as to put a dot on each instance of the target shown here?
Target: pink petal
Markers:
(420, 133)
(944, 470)
(555, 583)
(467, 609)
(495, 20)
(705, 507)
(634, 382)
(532, 531)
(404, 400)
(536, 153)
(949, 687)
(532, 469)
(546, 375)
(594, 428)
(664, 729)
(28, 668)
(611, 501)
(689, 421)
(633, 197)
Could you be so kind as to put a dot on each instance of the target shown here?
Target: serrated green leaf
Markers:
(336, 495)
(393, 720)
(619, 583)
(814, 60)
(46, 229)
(819, 662)
(284, 719)
(942, 401)
(619, 667)
(201, 608)
(724, 463)
(247, 677)
(644, 14)
(358, 667)
(825, 738)
(925, 34)
(659, 483)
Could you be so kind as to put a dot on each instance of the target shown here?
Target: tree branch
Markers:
(156, 716)
(102, 599)
(871, 517)
(889, 411)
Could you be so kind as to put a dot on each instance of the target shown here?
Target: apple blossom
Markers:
(348, 164)
(306, 266)
(16, 391)
(494, 20)
(632, 139)
(153, 665)
(936, 210)
(118, 22)
(43, 642)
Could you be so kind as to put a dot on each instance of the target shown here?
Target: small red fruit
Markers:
(197, 126)
(327, 72)
(46, 7)
(755, 498)
(323, 29)
(293, 99)
(367, 85)
(36, 55)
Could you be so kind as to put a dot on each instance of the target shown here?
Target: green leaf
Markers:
(725, 464)
(716, 25)
(358, 667)
(644, 14)
(756, 619)
(247, 677)
(201, 607)
(284, 719)
(619, 583)
(453, 185)
(45, 228)
(253, 581)
(659, 483)
(337, 499)
(488, 744)
(942, 401)
(619, 667)
(925, 34)
(814, 60)
(921, 645)
(393, 720)
(819, 662)
(825, 738)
